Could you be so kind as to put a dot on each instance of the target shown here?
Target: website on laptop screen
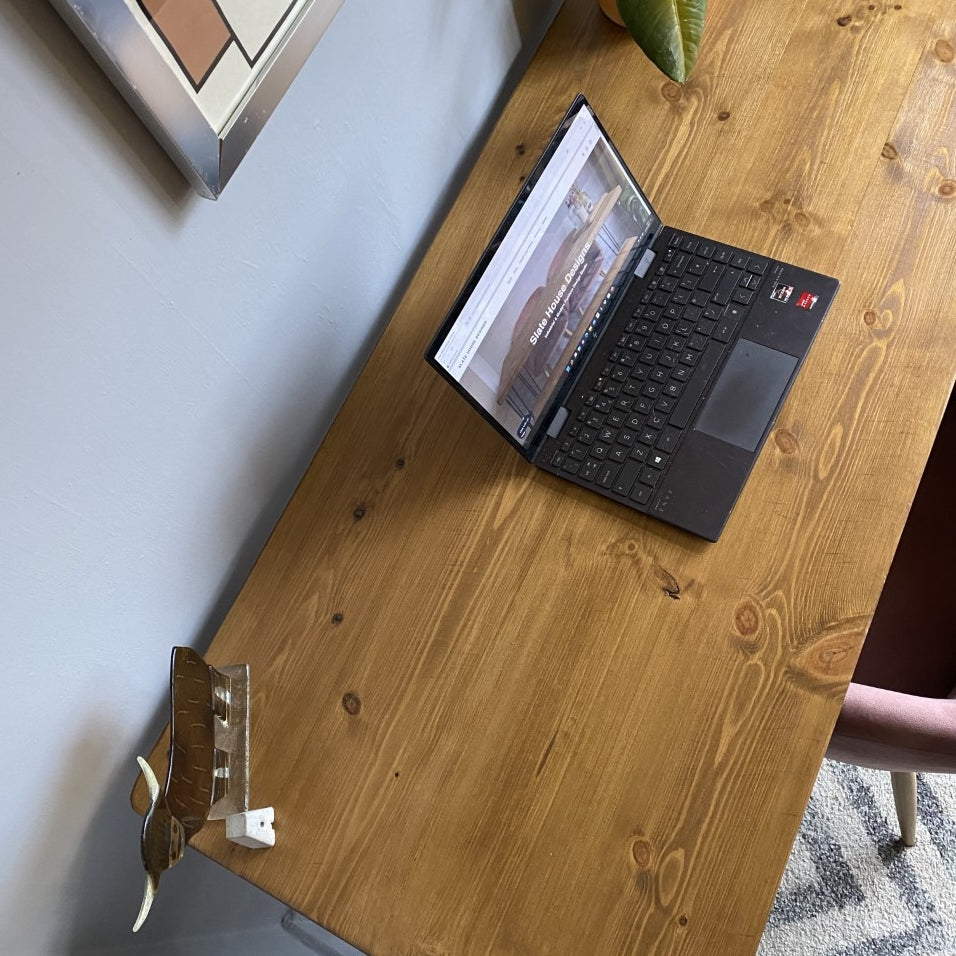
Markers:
(536, 306)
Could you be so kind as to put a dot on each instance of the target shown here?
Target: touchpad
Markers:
(746, 395)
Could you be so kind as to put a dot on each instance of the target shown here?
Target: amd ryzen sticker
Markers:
(782, 292)
(807, 300)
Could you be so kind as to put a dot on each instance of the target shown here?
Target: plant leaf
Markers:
(668, 31)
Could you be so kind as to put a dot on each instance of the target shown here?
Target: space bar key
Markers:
(695, 387)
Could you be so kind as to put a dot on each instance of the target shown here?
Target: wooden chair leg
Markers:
(904, 795)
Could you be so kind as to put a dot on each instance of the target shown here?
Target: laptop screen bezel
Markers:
(539, 430)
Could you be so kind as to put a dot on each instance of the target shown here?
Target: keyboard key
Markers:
(725, 330)
(649, 476)
(725, 288)
(695, 388)
(626, 478)
(619, 454)
(606, 475)
(711, 277)
(658, 460)
(669, 438)
(589, 470)
(571, 466)
(641, 494)
(678, 265)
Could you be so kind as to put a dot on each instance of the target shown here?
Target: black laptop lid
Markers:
(538, 299)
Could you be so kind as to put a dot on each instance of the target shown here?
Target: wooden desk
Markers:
(499, 715)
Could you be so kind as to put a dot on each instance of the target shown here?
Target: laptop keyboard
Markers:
(630, 418)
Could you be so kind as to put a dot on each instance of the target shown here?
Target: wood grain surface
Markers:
(497, 714)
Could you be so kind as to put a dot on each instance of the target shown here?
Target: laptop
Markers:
(641, 362)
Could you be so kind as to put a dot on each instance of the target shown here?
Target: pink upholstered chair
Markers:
(900, 710)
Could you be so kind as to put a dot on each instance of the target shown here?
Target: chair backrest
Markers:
(911, 644)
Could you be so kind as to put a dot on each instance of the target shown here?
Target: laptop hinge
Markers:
(644, 263)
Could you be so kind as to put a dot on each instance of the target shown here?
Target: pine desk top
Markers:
(498, 715)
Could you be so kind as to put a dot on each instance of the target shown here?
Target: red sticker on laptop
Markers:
(807, 300)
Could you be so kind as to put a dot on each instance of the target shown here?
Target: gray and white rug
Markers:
(851, 890)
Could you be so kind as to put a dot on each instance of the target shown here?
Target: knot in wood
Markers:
(672, 92)
(641, 853)
(890, 152)
(351, 704)
(747, 618)
(786, 441)
(845, 20)
(943, 51)
(947, 189)
(869, 317)
(723, 116)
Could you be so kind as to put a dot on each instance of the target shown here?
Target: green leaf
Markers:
(668, 31)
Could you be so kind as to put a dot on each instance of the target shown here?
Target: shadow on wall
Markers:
(93, 95)
(110, 851)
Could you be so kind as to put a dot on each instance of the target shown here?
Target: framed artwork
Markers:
(204, 75)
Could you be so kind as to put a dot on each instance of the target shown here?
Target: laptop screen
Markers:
(539, 299)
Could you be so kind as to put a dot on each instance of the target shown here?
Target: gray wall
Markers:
(168, 366)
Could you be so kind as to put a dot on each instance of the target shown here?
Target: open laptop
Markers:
(643, 363)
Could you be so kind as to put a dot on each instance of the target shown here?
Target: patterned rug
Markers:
(851, 890)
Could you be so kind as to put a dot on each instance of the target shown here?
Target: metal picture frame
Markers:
(204, 75)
